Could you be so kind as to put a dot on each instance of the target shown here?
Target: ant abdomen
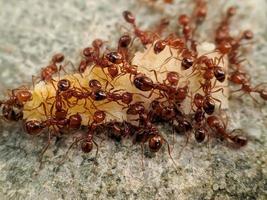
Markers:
(143, 83)
(200, 134)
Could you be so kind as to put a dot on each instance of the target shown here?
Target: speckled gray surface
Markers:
(32, 30)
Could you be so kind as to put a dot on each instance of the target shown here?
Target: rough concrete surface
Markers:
(33, 30)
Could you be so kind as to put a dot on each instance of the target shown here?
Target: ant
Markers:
(146, 131)
(123, 44)
(12, 107)
(52, 68)
(220, 128)
(35, 127)
(118, 130)
(11, 114)
(90, 55)
(145, 37)
(144, 83)
(241, 78)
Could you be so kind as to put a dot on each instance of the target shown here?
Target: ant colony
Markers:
(173, 79)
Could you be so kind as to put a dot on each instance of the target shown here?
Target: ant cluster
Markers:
(113, 90)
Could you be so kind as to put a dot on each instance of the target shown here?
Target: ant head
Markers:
(231, 11)
(58, 58)
(113, 71)
(183, 20)
(23, 95)
(127, 97)
(88, 52)
(181, 94)
(99, 116)
(198, 100)
(199, 115)
(125, 41)
(155, 143)
(63, 85)
(128, 16)
(135, 109)
(97, 43)
(95, 84)
(247, 35)
(225, 47)
(173, 78)
(201, 13)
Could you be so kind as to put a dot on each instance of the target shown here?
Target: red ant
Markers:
(12, 107)
(145, 37)
(91, 54)
(35, 127)
(143, 83)
(123, 45)
(217, 125)
(87, 141)
(50, 70)
(241, 78)
(146, 131)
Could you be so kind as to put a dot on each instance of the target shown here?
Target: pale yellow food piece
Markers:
(39, 108)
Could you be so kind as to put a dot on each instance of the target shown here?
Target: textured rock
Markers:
(32, 31)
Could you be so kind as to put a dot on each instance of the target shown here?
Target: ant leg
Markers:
(44, 150)
(221, 89)
(169, 152)
(34, 78)
(185, 144)
(259, 85)
(97, 148)
(220, 102)
(76, 141)
(142, 154)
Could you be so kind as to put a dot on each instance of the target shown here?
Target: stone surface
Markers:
(33, 30)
